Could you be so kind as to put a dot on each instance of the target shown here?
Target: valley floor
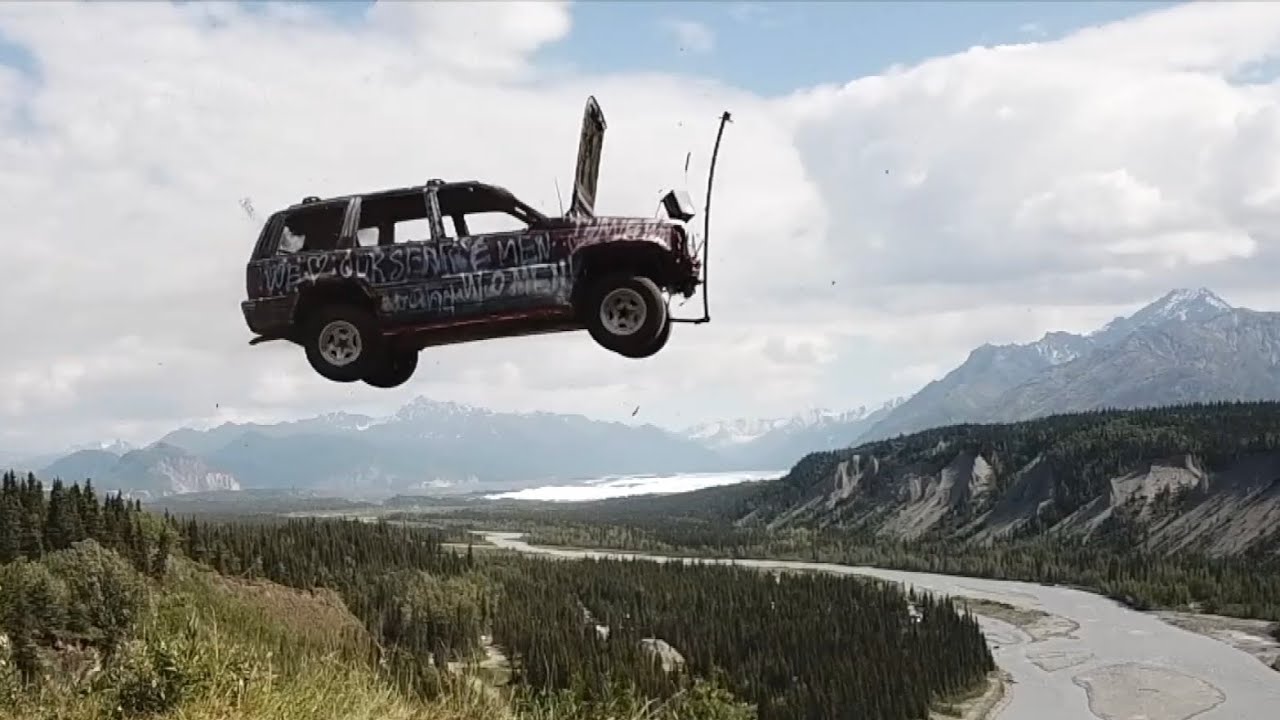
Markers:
(1069, 654)
(1249, 636)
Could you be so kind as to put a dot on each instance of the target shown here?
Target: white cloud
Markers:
(691, 35)
(470, 36)
(866, 234)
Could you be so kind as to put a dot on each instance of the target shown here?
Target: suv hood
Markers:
(619, 224)
(587, 172)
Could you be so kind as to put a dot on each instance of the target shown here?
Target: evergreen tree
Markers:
(62, 526)
(10, 520)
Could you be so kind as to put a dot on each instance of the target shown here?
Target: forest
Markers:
(809, 646)
(111, 611)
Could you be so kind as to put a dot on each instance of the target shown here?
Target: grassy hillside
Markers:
(204, 647)
(110, 612)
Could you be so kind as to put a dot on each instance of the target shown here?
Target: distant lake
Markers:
(627, 485)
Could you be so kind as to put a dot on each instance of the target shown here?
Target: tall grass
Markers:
(210, 647)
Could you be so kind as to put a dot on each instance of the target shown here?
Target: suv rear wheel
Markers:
(627, 314)
(394, 370)
(342, 342)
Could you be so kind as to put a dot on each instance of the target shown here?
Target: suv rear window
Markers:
(315, 228)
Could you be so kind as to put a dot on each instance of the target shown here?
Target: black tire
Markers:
(395, 369)
(626, 314)
(658, 343)
(325, 327)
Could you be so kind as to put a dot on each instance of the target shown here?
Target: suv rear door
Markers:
(296, 247)
(399, 230)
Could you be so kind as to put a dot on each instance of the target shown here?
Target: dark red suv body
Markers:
(364, 282)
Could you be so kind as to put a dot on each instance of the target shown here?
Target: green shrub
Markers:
(106, 594)
(33, 611)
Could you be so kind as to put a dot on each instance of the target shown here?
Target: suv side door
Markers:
(492, 271)
(521, 273)
(398, 240)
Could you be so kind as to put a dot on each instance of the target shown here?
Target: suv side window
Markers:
(316, 228)
(477, 210)
(390, 218)
(485, 223)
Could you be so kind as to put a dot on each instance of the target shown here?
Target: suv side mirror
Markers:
(678, 205)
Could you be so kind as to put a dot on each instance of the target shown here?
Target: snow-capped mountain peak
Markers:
(818, 416)
(719, 433)
(1181, 304)
(345, 421)
(1059, 347)
(115, 447)
(422, 408)
(741, 431)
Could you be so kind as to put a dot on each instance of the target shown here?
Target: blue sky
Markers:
(773, 48)
(776, 47)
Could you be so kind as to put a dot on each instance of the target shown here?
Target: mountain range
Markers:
(444, 447)
(1188, 346)
(424, 446)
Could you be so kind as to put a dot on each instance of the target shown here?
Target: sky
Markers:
(902, 183)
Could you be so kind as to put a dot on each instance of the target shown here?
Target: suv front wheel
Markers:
(652, 348)
(342, 342)
(627, 314)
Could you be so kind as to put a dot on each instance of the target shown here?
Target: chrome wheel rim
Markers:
(623, 312)
(340, 343)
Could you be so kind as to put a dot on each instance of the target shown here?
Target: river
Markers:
(1071, 655)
